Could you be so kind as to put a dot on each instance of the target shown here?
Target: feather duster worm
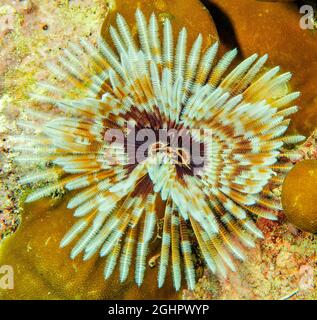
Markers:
(157, 84)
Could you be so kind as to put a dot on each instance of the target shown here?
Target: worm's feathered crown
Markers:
(153, 84)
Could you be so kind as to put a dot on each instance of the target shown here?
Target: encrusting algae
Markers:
(42, 250)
